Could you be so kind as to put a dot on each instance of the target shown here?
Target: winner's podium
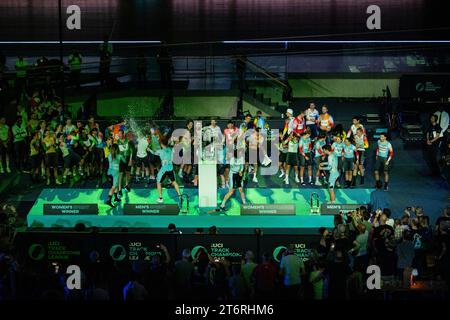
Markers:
(207, 184)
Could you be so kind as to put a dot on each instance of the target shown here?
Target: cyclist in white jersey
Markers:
(312, 118)
(361, 144)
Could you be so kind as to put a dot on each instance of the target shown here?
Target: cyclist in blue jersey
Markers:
(337, 147)
(166, 170)
(332, 166)
(349, 158)
(383, 159)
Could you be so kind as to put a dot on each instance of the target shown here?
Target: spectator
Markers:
(19, 132)
(183, 274)
(405, 257)
(265, 278)
(318, 280)
(5, 144)
(338, 271)
(237, 284)
(247, 270)
(134, 290)
(292, 269)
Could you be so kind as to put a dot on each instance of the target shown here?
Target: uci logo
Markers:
(420, 87)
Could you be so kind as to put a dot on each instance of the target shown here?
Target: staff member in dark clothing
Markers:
(433, 140)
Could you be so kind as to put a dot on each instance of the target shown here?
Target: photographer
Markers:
(8, 221)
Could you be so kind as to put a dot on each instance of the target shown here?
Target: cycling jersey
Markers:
(337, 148)
(384, 149)
(361, 142)
(350, 151)
(305, 146)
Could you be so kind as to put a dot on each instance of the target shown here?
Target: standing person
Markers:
(5, 140)
(282, 146)
(338, 148)
(230, 134)
(98, 154)
(260, 122)
(305, 149)
(142, 159)
(350, 157)
(126, 151)
(384, 244)
(361, 144)
(19, 132)
(188, 146)
(75, 61)
(434, 136)
(291, 269)
(51, 157)
(35, 156)
(254, 142)
(326, 122)
(114, 159)
(299, 125)
(334, 171)
(312, 117)
(236, 174)
(213, 133)
(356, 124)
(247, 124)
(383, 159)
(265, 278)
(154, 146)
(166, 170)
(318, 156)
(21, 67)
(292, 158)
(288, 123)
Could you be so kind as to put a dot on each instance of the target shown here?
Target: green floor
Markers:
(196, 217)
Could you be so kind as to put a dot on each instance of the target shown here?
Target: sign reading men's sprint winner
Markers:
(267, 209)
(70, 209)
(150, 209)
(335, 208)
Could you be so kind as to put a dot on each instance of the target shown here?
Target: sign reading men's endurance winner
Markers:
(150, 209)
(70, 209)
(268, 209)
(335, 208)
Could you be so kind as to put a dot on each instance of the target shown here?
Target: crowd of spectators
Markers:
(406, 250)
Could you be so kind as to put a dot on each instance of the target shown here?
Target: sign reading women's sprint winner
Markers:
(150, 209)
(268, 209)
(70, 209)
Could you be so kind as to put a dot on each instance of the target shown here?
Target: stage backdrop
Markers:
(212, 20)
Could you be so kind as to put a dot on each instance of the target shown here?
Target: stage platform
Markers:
(195, 218)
